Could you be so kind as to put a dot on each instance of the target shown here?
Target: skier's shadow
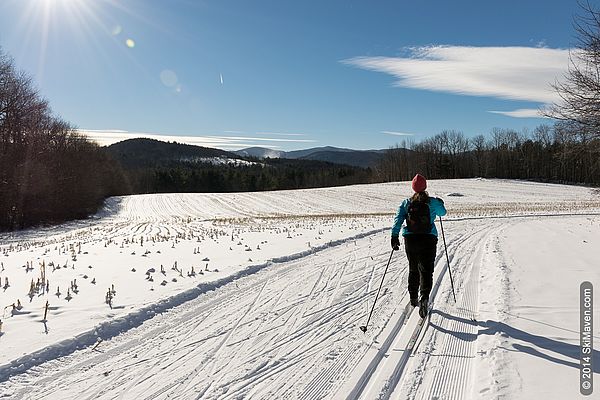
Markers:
(491, 327)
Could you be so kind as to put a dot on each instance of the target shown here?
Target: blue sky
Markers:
(291, 74)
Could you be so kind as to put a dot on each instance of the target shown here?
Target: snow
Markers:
(281, 282)
(219, 161)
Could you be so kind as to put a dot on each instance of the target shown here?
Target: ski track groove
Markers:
(445, 364)
(462, 352)
(316, 331)
(399, 371)
(215, 352)
(317, 334)
(144, 376)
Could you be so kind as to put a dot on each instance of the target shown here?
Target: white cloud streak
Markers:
(280, 134)
(521, 113)
(397, 133)
(263, 139)
(513, 73)
(108, 137)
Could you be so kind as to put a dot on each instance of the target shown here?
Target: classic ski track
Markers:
(457, 242)
(449, 374)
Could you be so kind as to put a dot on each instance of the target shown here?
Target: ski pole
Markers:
(364, 327)
(447, 259)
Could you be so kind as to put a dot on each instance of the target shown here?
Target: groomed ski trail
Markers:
(443, 366)
(390, 361)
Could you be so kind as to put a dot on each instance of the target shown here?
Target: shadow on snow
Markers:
(491, 327)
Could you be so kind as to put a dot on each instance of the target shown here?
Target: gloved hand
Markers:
(395, 243)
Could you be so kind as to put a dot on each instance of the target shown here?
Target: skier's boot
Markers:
(414, 301)
(423, 306)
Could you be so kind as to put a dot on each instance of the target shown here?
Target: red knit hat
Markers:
(419, 183)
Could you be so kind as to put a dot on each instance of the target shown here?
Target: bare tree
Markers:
(580, 90)
(48, 172)
(478, 144)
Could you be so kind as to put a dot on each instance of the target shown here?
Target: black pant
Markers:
(420, 251)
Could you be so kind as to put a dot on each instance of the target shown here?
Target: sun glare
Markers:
(42, 17)
(85, 24)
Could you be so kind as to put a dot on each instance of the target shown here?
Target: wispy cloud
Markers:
(110, 136)
(280, 134)
(513, 73)
(264, 139)
(262, 133)
(522, 113)
(397, 133)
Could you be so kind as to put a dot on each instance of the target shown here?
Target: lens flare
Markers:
(130, 43)
(168, 78)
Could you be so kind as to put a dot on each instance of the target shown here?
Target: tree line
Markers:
(259, 175)
(565, 152)
(48, 171)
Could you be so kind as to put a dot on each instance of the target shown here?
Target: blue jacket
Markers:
(436, 207)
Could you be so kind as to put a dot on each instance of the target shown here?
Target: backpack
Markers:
(418, 218)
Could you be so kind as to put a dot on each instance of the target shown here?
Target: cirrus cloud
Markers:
(394, 133)
(512, 73)
(522, 113)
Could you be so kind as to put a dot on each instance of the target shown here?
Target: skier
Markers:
(420, 240)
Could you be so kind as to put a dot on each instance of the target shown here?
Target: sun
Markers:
(88, 26)
(66, 5)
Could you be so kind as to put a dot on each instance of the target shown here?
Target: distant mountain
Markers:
(357, 158)
(307, 152)
(336, 155)
(141, 152)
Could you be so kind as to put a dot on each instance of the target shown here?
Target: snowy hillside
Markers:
(260, 295)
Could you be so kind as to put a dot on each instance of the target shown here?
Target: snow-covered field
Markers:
(260, 295)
